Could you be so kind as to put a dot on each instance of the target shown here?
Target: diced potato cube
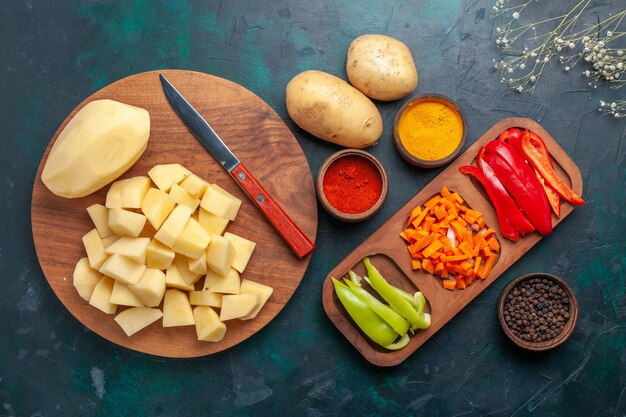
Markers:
(198, 265)
(182, 197)
(176, 309)
(194, 185)
(131, 247)
(159, 256)
(173, 226)
(212, 224)
(102, 294)
(164, 176)
(134, 192)
(156, 206)
(134, 319)
(114, 195)
(150, 288)
(209, 328)
(85, 278)
(126, 223)
(228, 284)
(243, 250)
(205, 298)
(100, 218)
(108, 241)
(236, 306)
(263, 291)
(220, 202)
(123, 296)
(94, 248)
(122, 269)
(182, 263)
(220, 254)
(193, 240)
(174, 279)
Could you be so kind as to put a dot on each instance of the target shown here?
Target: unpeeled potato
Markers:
(381, 67)
(331, 109)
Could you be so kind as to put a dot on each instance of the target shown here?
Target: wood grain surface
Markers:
(389, 253)
(259, 138)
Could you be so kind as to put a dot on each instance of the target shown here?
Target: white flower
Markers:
(572, 44)
(533, 54)
(546, 59)
(516, 15)
(586, 39)
(520, 89)
(510, 70)
(522, 66)
(567, 68)
(620, 52)
(609, 33)
(602, 103)
(533, 78)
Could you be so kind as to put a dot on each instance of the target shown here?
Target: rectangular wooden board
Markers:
(389, 252)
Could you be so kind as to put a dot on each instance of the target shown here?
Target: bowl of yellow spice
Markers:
(430, 130)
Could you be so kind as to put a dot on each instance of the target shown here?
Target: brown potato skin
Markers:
(331, 109)
(381, 67)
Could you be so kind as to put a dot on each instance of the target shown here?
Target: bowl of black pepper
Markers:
(537, 311)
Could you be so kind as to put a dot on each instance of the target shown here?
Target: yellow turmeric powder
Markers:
(430, 130)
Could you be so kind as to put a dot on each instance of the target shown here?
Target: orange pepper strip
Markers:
(494, 245)
(415, 264)
(414, 213)
(433, 247)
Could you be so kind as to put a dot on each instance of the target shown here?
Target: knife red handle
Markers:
(283, 224)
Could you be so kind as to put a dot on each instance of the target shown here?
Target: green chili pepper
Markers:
(368, 321)
(395, 300)
(355, 278)
(399, 324)
(400, 343)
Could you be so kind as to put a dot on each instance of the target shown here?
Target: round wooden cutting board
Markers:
(259, 138)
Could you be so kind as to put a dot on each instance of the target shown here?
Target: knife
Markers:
(205, 134)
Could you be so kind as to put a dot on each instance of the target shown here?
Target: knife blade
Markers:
(200, 128)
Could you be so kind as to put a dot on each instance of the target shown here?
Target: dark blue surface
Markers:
(54, 54)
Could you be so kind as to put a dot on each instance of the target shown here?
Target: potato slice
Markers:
(134, 192)
(134, 319)
(114, 195)
(220, 202)
(182, 197)
(131, 247)
(192, 241)
(100, 218)
(102, 294)
(159, 256)
(123, 296)
(243, 250)
(174, 279)
(228, 284)
(173, 226)
(236, 306)
(122, 269)
(156, 206)
(194, 185)
(220, 254)
(205, 298)
(150, 288)
(198, 265)
(126, 223)
(209, 328)
(176, 309)
(85, 278)
(212, 224)
(165, 175)
(263, 291)
(108, 241)
(94, 248)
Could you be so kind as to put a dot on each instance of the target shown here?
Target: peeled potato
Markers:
(333, 110)
(381, 67)
(99, 144)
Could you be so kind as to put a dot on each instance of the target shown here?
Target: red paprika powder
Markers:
(352, 184)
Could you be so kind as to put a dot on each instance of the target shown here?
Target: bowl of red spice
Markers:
(537, 311)
(351, 185)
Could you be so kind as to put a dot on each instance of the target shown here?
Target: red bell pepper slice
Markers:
(521, 182)
(534, 149)
(497, 195)
(553, 197)
(511, 136)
